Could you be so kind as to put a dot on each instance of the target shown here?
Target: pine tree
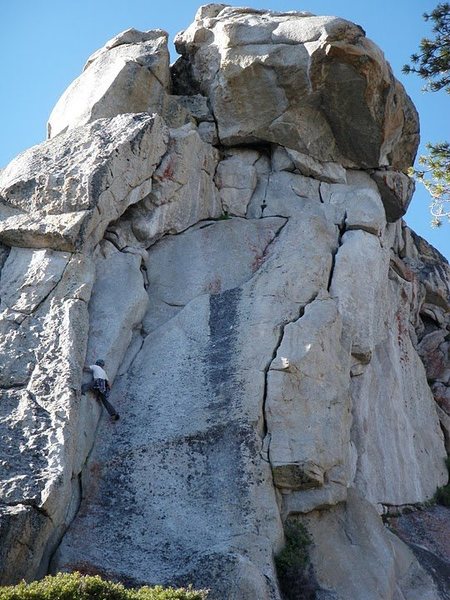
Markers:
(432, 63)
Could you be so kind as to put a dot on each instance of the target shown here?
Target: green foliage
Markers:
(442, 495)
(434, 173)
(292, 562)
(433, 60)
(74, 586)
(432, 63)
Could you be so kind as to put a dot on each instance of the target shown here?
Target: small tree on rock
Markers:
(432, 63)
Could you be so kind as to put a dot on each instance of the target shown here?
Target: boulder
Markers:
(315, 85)
(396, 191)
(286, 159)
(344, 536)
(63, 193)
(236, 180)
(130, 74)
(356, 206)
(359, 278)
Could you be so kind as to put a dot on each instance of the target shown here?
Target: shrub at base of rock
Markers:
(294, 577)
(443, 493)
(74, 586)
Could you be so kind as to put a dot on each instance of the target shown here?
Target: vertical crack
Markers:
(342, 229)
(219, 142)
(264, 202)
(320, 193)
(144, 273)
(265, 435)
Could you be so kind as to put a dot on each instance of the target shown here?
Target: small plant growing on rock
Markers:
(74, 586)
(442, 495)
(292, 563)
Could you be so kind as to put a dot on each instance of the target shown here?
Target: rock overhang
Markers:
(63, 193)
(314, 83)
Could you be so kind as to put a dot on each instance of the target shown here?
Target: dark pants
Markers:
(99, 386)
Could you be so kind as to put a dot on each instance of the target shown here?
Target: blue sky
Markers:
(45, 43)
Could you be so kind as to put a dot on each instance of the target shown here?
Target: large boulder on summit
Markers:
(314, 84)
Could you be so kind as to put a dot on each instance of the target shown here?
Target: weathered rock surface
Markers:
(343, 539)
(65, 191)
(427, 533)
(43, 342)
(182, 193)
(276, 338)
(396, 191)
(130, 74)
(313, 84)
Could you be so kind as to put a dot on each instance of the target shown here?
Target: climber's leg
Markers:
(86, 387)
(109, 407)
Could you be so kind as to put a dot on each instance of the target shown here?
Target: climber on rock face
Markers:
(100, 384)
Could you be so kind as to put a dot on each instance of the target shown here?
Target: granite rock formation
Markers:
(226, 234)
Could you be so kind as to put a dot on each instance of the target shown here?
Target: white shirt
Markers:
(98, 372)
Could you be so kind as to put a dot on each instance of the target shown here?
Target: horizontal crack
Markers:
(31, 503)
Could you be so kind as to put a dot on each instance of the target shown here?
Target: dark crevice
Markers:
(278, 343)
(206, 225)
(333, 264)
(342, 229)
(430, 324)
(144, 273)
(173, 304)
(320, 193)
(444, 430)
(266, 189)
(111, 237)
(143, 335)
(216, 124)
(183, 80)
(266, 373)
(32, 503)
(363, 228)
(13, 386)
(275, 237)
